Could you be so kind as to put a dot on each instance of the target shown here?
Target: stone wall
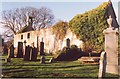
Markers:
(73, 39)
(29, 41)
(51, 43)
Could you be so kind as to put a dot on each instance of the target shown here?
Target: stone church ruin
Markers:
(44, 40)
(28, 35)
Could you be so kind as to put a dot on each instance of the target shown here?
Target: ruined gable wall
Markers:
(33, 38)
(52, 44)
(73, 39)
(48, 39)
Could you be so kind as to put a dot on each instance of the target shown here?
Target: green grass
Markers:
(18, 68)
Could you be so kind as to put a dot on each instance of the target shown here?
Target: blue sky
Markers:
(61, 10)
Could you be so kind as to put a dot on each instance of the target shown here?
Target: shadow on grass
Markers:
(18, 70)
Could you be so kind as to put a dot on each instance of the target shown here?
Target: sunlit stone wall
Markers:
(51, 43)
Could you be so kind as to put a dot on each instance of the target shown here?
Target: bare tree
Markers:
(46, 17)
(14, 20)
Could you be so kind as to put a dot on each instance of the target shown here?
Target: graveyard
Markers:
(18, 68)
(66, 50)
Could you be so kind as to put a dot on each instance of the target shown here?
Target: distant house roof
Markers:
(25, 29)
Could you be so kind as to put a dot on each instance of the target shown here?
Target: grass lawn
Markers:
(18, 68)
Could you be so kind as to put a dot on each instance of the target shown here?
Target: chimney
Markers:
(29, 20)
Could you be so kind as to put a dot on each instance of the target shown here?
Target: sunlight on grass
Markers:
(18, 68)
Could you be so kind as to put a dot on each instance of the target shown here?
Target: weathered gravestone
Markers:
(2, 42)
(11, 52)
(24, 47)
(20, 50)
(8, 59)
(42, 48)
(34, 54)
(5, 49)
(1, 45)
(51, 60)
(27, 53)
(111, 47)
(42, 61)
(68, 43)
(102, 65)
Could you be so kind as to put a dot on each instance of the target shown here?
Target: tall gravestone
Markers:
(42, 48)
(102, 65)
(24, 47)
(5, 49)
(11, 52)
(1, 45)
(111, 47)
(27, 53)
(68, 43)
(34, 54)
(2, 42)
(20, 50)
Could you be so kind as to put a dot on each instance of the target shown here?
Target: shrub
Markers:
(74, 47)
(59, 29)
(69, 54)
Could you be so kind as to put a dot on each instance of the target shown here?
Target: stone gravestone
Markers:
(8, 59)
(5, 49)
(42, 61)
(111, 47)
(102, 65)
(34, 54)
(20, 50)
(51, 60)
(68, 43)
(27, 53)
(24, 47)
(2, 42)
(0, 45)
(42, 48)
(11, 52)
